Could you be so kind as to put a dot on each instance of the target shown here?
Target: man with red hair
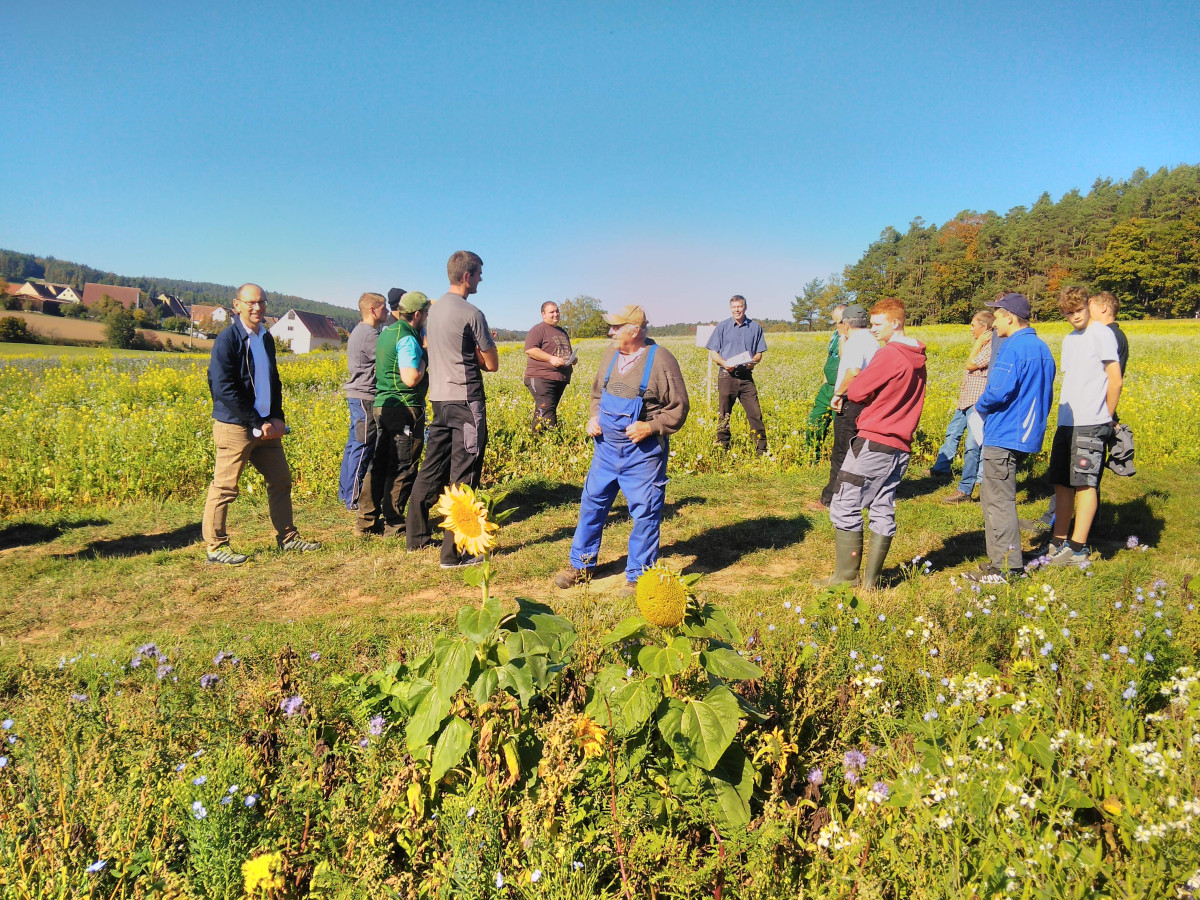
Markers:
(892, 387)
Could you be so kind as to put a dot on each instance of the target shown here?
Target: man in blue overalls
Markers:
(638, 400)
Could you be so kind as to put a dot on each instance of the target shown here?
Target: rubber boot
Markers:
(876, 553)
(848, 545)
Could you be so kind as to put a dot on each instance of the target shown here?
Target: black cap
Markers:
(394, 296)
(1014, 303)
(855, 316)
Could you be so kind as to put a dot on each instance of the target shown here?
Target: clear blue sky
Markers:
(669, 155)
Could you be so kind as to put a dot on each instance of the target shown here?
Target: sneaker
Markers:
(569, 577)
(990, 575)
(1049, 549)
(297, 544)
(1065, 556)
(226, 556)
(463, 561)
(958, 497)
(629, 591)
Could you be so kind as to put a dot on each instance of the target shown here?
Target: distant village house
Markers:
(306, 332)
(128, 297)
(46, 297)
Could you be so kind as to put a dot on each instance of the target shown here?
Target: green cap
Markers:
(413, 301)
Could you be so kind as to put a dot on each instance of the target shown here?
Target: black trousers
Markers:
(845, 429)
(546, 394)
(399, 439)
(453, 455)
(733, 388)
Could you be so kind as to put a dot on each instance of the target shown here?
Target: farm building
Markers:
(306, 331)
(128, 297)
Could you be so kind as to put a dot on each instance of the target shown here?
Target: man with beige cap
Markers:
(638, 401)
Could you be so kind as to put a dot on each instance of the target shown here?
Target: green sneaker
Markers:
(226, 556)
(299, 545)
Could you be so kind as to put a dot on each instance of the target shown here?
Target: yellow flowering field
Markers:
(104, 429)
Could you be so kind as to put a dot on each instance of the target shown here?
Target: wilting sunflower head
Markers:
(466, 517)
(662, 596)
(263, 873)
(590, 736)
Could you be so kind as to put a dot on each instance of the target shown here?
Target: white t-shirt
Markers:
(1083, 397)
(858, 350)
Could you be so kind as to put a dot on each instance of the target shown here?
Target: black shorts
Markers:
(1077, 455)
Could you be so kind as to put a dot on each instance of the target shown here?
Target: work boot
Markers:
(876, 553)
(848, 546)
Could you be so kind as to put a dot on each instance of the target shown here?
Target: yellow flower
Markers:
(661, 595)
(591, 737)
(1111, 805)
(467, 518)
(263, 873)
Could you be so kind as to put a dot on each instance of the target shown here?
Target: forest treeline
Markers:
(1138, 238)
(17, 267)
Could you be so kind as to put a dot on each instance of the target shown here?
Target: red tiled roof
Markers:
(318, 326)
(128, 297)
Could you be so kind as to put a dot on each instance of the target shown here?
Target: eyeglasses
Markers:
(262, 304)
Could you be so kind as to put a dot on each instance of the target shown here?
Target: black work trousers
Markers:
(399, 438)
(546, 394)
(453, 455)
(738, 387)
(845, 429)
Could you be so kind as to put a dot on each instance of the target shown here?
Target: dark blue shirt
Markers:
(730, 338)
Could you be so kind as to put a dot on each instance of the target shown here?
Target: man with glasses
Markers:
(248, 427)
(737, 346)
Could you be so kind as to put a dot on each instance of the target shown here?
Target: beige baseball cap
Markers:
(629, 315)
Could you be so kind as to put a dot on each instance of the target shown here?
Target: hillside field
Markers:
(174, 720)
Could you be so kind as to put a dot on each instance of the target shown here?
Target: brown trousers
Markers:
(236, 446)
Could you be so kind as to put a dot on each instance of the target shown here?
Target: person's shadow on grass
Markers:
(139, 544)
(724, 546)
(26, 534)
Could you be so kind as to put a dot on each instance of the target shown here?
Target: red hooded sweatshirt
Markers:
(893, 386)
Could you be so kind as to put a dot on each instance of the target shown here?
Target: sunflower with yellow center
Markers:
(590, 736)
(263, 873)
(662, 595)
(466, 516)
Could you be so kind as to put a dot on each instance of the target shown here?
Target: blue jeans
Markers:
(360, 445)
(949, 450)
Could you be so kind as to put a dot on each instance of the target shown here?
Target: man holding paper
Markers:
(737, 346)
(548, 370)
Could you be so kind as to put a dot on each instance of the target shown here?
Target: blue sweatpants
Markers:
(640, 472)
(360, 446)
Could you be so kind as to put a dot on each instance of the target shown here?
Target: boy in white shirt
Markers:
(1091, 387)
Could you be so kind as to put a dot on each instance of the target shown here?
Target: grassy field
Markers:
(1058, 769)
(60, 328)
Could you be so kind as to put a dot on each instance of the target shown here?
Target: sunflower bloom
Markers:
(591, 737)
(263, 873)
(466, 517)
(662, 596)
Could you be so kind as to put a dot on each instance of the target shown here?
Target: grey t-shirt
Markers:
(454, 330)
(360, 356)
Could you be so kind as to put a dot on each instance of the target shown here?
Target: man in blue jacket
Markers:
(248, 427)
(1014, 406)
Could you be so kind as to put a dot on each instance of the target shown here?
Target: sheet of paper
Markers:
(740, 360)
(975, 423)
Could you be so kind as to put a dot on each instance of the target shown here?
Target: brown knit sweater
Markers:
(665, 403)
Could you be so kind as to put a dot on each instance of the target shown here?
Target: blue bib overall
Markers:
(638, 470)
